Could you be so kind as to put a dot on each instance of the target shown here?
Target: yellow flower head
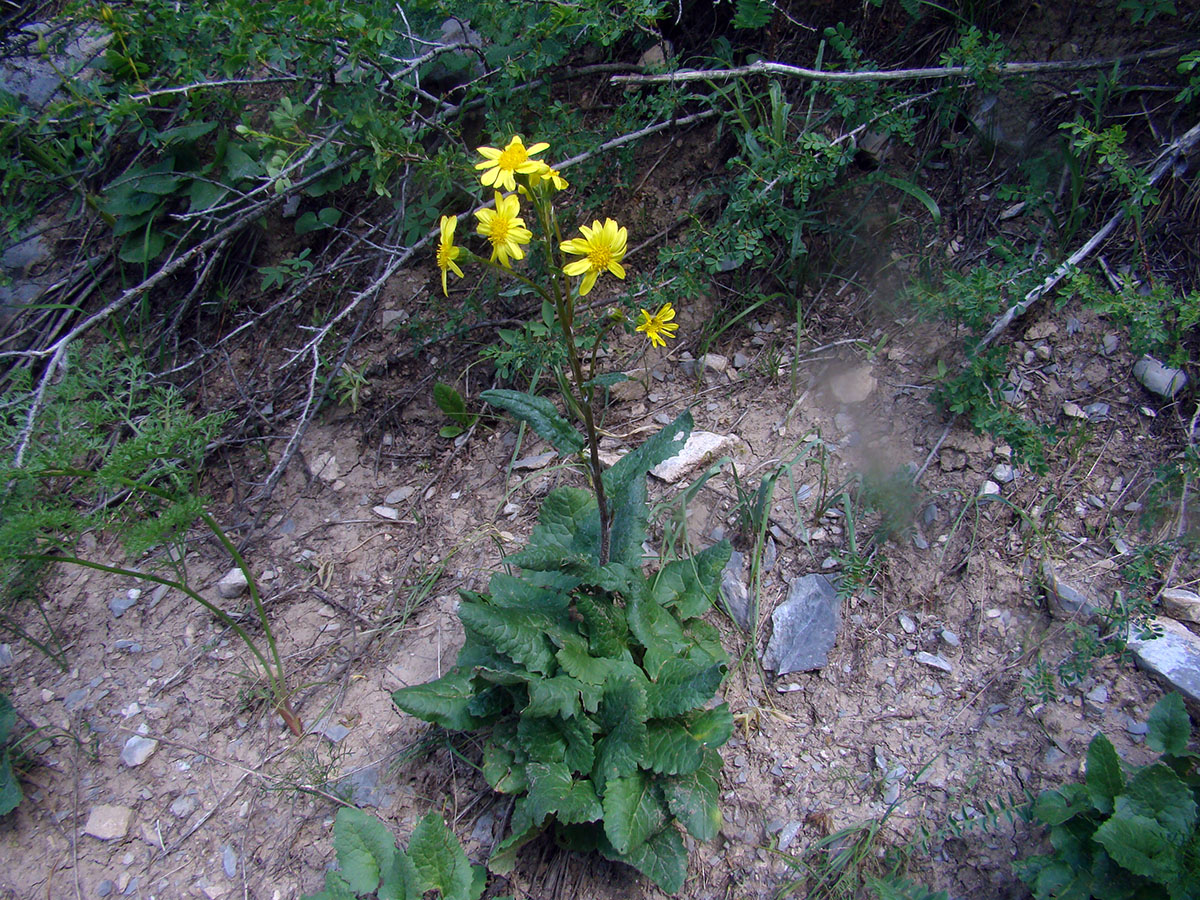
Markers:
(545, 173)
(602, 248)
(659, 326)
(502, 165)
(505, 228)
(447, 253)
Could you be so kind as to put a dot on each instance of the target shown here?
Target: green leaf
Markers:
(580, 755)
(915, 191)
(336, 888)
(553, 791)
(1104, 778)
(622, 718)
(10, 787)
(682, 685)
(8, 718)
(541, 738)
(541, 415)
(518, 633)
(691, 585)
(504, 858)
(656, 629)
(439, 860)
(142, 246)
(1156, 792)
(694, 799)
(606, 626)
(557, 696)
(670, 750)
(443, 702)
(712, 727)
(450, 402)
(1139, 844)
(184, 133)
(1168, 727)
(568, 532)
(625, 489)
(501, 770)
(525, 593)
(633, 810)
(662, 859)
(400, 881)
(577, 662)
(205, 194)
(364, 848)
(1054, 807)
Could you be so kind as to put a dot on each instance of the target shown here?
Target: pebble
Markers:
(852, 386)
(805, 626)
(1157, 378)
(119, 605)
(1182, 605)
(734, 593)
(740, 360)
(950, 637)
(990, 488)
(934, 661)
(183, 806)
(108, 823)
(1073, 411)
(104, 888)
(6, 655)
(229, 860)
(701, 447)
(788, 833)
(232, 584)
(137, 750)
(386, 512)
(906, 622)
(399, 495)
(1004, 473)
(1097, 412)
(127, 646)
(532, 463)
(75, 699)
(1173, 657)
(1097, 695)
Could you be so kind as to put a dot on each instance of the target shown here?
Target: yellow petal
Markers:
(616, 268)
(588, 281)
(576, 268)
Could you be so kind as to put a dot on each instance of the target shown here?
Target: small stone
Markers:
(399, 495)
(108, 823)
(701, 447)
(119, 605)
(233, 584)
(325, 467)
(806, 625)
(989, 488)
(1043, 352)
(852, 386)
(1097, 412)
(75, 699)
(740, 360)
(47, 695)
(386, 512)
(734, 592)
(1040, 331)
(1004, 473)
(1065, 601)
(183, 806)
(127, 646)
(934, 661)
(1132, 726)
(950, 637)
(6, 655)
(532, 463)
(714, 362)
(788, 833)
(1073, 411)
(1097, 695)
(104, 888)
(137, 750)
(229, 860)
(1109, 344)
(1157, 378)
(906, 622)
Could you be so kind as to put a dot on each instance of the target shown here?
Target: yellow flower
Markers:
(545, 173)
(658, 326)
(447, 253)
(505, 228)
(602, 248)
(502, 165)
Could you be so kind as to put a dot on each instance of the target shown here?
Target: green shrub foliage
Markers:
(595, 681)
(1125, 834)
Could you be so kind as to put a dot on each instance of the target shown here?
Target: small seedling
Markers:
(451, 402)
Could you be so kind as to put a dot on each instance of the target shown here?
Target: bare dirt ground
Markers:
(229, 805)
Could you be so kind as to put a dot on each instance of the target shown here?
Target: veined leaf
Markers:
(633, 810)
(622, 717)
(662, 859)
(694, 799)
(364, 848)
(580, 755)
(1141, 845)
(513, 591)
(683, 684)
(541, 415)
(607, 628)
(691, 585)
(670, 750)
(712, 727)
(568, 529)
(1168, 727)
(1104, 778)
(504, 858)
(1056, 806)
(656, 629)
(1156, 792)
(501, 769)
(557, 696)
(577, 662)
(553, 791)
(443, 702)
(439, 860)
(518, 633)
(450, 401)
(541, 739)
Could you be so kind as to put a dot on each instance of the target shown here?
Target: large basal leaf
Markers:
(578, 662)
(504, 858)
(1053, 807)
(1168, 727)
(578, 732)
(712, 727)
(633, 810)
(1141, 845)
(682, 685)
(439, 860)
(1104, 779)
(541, 739)
(523, 593)
(670, 750)
(1156, 792)
(553, 791)
(557, 696)
(625, 490)
(622, 718)
(691, 585)
(662, 859)
(605, 624)
(694, 799)
(568, 532)
(541, 415)
(656, 629)
(501, 769)
(8, 718)
(443, 702)
(10, 787)
(520, 634)
(365, 848)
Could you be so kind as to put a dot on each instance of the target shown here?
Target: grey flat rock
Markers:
(137, 750)
(734, 592)
(108, 823)
(1173, 657)
(233, 584)
(805, 626)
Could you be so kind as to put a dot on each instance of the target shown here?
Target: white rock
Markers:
(702, 447)
(233, 584)
(852, 386)
(386, 512)
(934, 661)
(989, 488)
(399, 495)
(1004, 473)
(1173, 657)
(325, 467)
(137, 750)
(532, 463)
(1073, 411)
(108, 823)
(1157, 378)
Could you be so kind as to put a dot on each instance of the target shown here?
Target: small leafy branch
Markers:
(1119, 834)
(370, 863)
(10, 788)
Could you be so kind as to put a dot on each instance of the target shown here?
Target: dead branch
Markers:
(1003, 70)
(1166, 161)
